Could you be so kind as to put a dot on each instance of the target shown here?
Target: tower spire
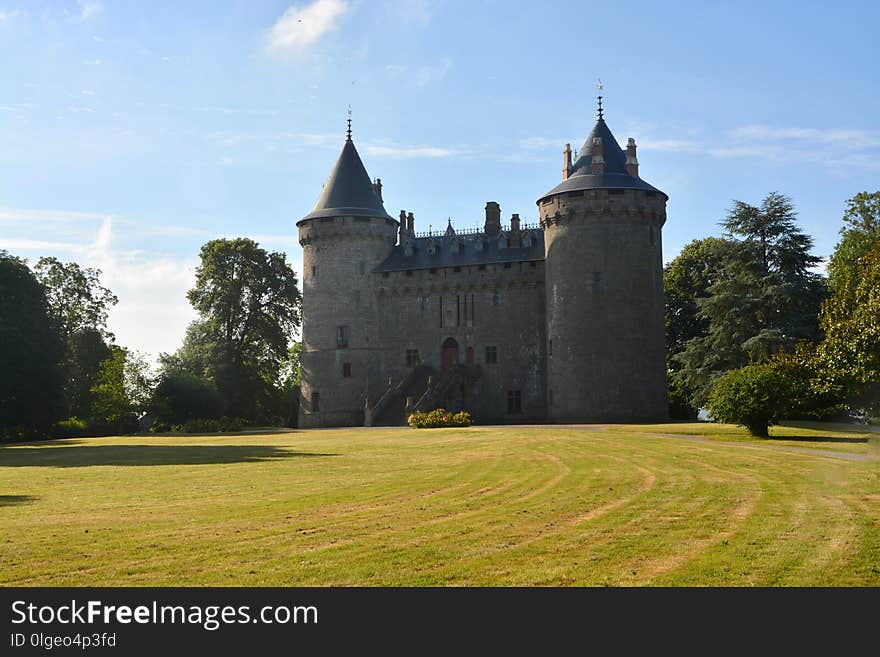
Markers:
(599, 98)
(348, 132)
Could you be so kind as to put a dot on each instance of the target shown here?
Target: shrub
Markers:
(439, 417)
(754, 396)
(180, 398)
(72, 427)
(201, 425)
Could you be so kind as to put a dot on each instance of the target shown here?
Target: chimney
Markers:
(632, 163)
(493, 218)
(401, 230)
(598, 160)
(566, 162)
(377, 186)
(410, 224)
(514, 229)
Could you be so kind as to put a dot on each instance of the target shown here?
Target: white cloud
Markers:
(153, 312)
(410, 152)
(428, 74)
(89, 9)
(300, 27)
(8, 15)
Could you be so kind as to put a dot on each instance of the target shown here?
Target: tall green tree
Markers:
(31, 385)
(122, 391)
(686, 280)
(248, 302)
(78, 308)
(860, 232)
(767, 299)
(850, 352)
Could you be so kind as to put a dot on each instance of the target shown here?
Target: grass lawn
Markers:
(592, 505)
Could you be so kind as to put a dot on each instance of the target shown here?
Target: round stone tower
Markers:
(604, 285)
(345, 236)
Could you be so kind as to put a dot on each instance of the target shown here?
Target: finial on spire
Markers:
(600, 87)
(348, 132)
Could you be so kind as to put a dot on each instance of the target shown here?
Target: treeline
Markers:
(755, 335)
(62, 373)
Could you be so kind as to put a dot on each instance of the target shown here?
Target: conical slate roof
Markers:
(615, 176)
(348, 190)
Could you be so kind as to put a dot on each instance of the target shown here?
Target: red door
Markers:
(450, 353)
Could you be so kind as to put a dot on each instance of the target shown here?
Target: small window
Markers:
(547, 201)
(597, 282)
(514, 401)
(491, 355)
(385, 274)
(423, 303)
(346, 370)
(412, 357)
(482, 267)
(314, 269)
(316, 402)
(342, 336)
(507, 265)
(496, 299)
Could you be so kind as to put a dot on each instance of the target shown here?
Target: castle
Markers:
(558, 322)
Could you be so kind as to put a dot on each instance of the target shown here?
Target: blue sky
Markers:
(133, 132)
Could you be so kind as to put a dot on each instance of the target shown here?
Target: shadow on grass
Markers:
(16, 500)
(76, 457)
(819, 439)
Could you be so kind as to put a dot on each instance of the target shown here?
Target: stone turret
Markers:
(604, 287)
(345, 236)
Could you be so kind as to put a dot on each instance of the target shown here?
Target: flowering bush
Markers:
(439, 417)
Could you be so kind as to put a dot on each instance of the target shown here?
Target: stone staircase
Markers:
(391, 408)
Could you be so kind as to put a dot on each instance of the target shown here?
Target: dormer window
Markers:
(478, 245)
(455, 247)
(502, 242)
(527, 240)
(408, 249)
(432, 248)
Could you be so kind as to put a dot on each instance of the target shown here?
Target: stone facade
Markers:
(560, 321)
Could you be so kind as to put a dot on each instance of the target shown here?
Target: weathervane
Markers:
(600, 87)
(348, 132)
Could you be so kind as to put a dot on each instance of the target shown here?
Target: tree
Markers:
(122, 391)
(248, 302)
(767, 299)
(87, 350)
(180, 397)
(860, 232)
(31, 388)
(754, 396)
(290, 385)
(78, 307)
(77, 300)
(850, 352)
(686, 280)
